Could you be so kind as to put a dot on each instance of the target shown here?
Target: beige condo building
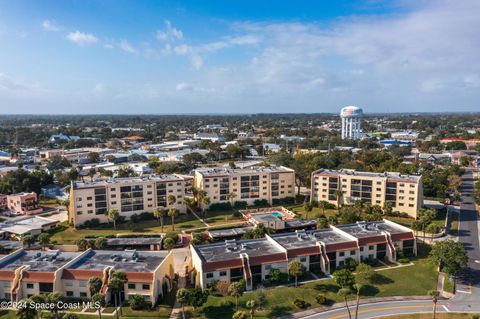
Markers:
(130, 196)
(247, 184)
(404, 192)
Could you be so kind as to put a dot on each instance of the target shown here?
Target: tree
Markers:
(94, 285)
(169, 243)
(82, 244)
(252, 306)
(344, 292)
(173, 212)
(222, 287)
(117, 284)
(26, 312)
(236, 290)
(364, 274)
(260, 298)
(91, 173)
(182, 298)
(323, 204)
(54, 298)
(358, 289)
(101, 243)
(238, 315)
(344, 278)
(205, 201)
(295, 269)
(137, 302)
(113, 215)
(426, 216)
(322, 222)
(449, 255)
(197, 297)
(100, 301)
(434, 294)
(171, 199)
(126, 171)
(308, 207)
(44, 239)
(159, 213)
(28, 240)
(93, 157)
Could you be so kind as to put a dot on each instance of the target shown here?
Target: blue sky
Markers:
(238, 56)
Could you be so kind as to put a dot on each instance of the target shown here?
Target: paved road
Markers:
(468, 282)
(467, 298)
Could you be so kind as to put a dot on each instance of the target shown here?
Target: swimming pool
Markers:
(277, 214)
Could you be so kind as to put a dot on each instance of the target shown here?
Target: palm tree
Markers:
(158, 213)
(338, 195)
(434, 294)
(113, 215)
(358, 290)
(295, 269)
(173, 212)
(308, 208)
(204, 201)
(171, 199)
(94, 285)
(101, 301)
(232, 196)
(344, 292)
(322, 204)
(251, 305)
(117, 284)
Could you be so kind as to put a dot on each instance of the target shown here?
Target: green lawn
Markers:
(448, 285)
(439, 220)
(182, 222)
(300, 211)
(411, 280)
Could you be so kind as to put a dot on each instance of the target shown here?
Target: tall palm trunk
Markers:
(116, 305)
(434, 308)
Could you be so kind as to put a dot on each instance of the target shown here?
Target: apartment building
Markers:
(322, 250)
(129, 195)
(404, 192)
(21, 203)
(26, 273)
(248, 184)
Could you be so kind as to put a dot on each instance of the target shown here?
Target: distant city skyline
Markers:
(217, 57)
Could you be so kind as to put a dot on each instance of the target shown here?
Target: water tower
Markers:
(351, 122)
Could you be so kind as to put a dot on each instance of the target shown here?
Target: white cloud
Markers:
(127, 47)
(50, 25)
(245, 40)
(170, 33)
(184, 87)
(81, 38)
(196, 61)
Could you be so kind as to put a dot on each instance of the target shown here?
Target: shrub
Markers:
(172, 235)
(275, 276)
(403, 260)
(260, 202)
(351, 264)
(321, 300)
(300, 303)
(236, 214)
(137, 302)
(240, 205)
(220, 206)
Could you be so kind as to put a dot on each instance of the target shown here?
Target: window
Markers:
(82, 283)
(209, 275)
(68, 283)
(341, 263)
(89, 198)
(341, 254)
(303, 259)
(83, 295)
(361, 248)
(371, 247)
(146, 286)
(69, 293)
(352, 253)
(29, 286)
(223, 273)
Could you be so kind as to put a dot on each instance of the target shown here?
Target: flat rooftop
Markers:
(128, 260)
(296, 223)
(231, 249)
(41, 261)
(134, 241)
(387, 175)
(232, 232)
(301, 239)
(255, 170)
(367, 229)
(127, 180)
